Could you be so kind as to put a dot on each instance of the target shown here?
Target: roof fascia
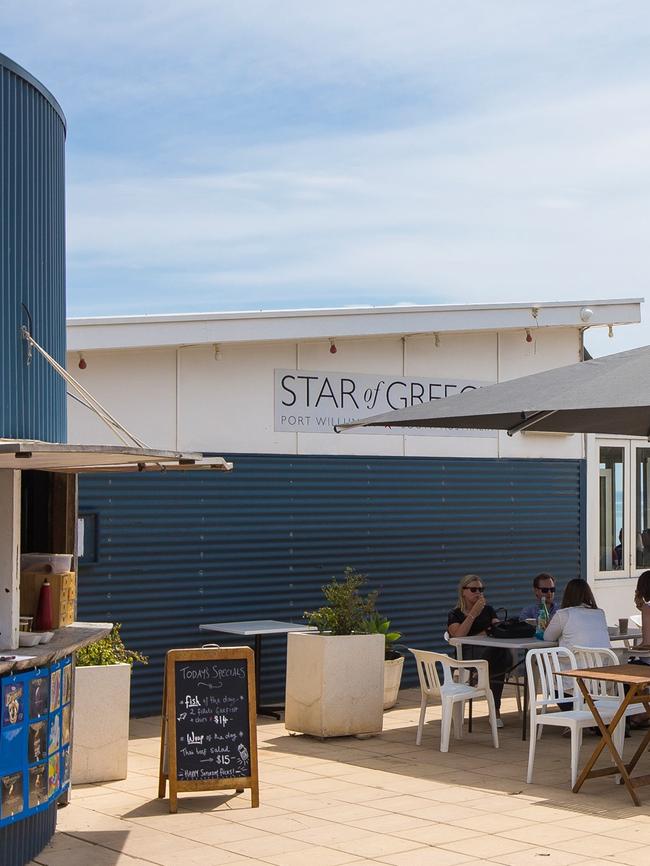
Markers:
(131, 332)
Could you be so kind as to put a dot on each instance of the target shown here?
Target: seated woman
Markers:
(579, 621)
(471, 617)
(642, 602)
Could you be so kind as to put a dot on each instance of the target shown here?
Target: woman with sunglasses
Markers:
(473, 616)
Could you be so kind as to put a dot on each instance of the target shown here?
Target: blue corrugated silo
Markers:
(32, 256)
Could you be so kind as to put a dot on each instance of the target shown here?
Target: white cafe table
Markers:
(257, 628)
(516, 645)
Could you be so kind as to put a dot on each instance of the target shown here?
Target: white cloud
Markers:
(262, 153)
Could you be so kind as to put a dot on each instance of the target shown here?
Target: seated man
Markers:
(544, 589)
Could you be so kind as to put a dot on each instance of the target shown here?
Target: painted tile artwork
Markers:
(55, 689)
(36, 742)
(37, 785)
(38, 697)
(12, 794)
(12, 704)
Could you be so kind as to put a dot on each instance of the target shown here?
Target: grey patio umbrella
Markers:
(604, 395)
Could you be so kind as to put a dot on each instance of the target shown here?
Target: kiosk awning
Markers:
(60, 457)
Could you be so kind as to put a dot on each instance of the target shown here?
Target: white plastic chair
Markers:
(606, 694)
(542, 667)
(452, 694)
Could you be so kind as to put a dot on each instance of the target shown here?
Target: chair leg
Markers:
(532, 743)
(457, 718)
(576, 742)
(423, 710)
(492, 711)
(445, 725)
(619, 737)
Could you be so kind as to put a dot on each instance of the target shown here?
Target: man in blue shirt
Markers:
(544, 589)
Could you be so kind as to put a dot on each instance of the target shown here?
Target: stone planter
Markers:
(101, 723)
(392, 680)
(335, 684)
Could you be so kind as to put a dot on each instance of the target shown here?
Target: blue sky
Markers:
(261, 154)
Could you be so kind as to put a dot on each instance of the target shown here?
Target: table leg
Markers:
(261, 711)
(644, 743)
(606, 740)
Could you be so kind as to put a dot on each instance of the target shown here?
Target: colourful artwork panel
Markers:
(12, 794)
(67, 684)
(37, 742)
(13, 710)
(39, 691)
(37, 785)
(53, 775)
(55, 689)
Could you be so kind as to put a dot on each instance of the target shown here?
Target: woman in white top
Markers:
(579, 621)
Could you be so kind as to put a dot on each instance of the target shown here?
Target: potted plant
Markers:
(393, 660)
(335, 677)
(101, 709)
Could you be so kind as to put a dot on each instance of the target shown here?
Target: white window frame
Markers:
(629, 446)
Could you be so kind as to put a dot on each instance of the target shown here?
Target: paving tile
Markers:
(315, 855)
(539, 857)
(427, 857)
(377, 846)
(487, 847)
(594, 846)
(438, 834)
(261, 846)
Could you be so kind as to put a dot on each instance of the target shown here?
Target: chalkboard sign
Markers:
(209, 723)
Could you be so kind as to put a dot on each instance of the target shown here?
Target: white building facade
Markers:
(266, 389)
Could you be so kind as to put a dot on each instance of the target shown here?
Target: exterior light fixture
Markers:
(529, 336)
(436, 340)
(610, 331)
(217, 352)
(82, 362)
(333, 349)
(586, 314)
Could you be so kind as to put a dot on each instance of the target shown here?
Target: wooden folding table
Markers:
(636, 678)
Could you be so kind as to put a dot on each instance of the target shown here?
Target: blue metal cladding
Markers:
(32, 256)
(177, 550)
(26, 839)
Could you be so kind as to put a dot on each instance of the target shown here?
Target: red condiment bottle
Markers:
(43, 618)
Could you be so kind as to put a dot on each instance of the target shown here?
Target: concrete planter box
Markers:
(335, 684)
(392, 680)
(101, 723)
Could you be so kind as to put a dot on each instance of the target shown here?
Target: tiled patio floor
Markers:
(376, 801)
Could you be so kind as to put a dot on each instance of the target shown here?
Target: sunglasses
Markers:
(546, 589)
(475, 588)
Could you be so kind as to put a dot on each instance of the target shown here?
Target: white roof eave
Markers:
(134, 332)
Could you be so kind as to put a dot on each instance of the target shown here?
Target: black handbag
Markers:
(511, 627)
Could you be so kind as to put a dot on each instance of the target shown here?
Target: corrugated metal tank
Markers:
(173, 551)
(32, 255)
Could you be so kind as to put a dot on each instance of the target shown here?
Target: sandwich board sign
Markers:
(209, 733)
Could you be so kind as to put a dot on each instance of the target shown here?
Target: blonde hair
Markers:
(463, 584)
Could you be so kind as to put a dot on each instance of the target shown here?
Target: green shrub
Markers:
(347, 610)
(378, 624)
(109, 650)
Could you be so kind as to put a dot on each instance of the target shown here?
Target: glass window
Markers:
(642, 507)
(610, 506)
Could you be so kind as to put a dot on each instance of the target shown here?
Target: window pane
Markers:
(642, 507)
(611, 536)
